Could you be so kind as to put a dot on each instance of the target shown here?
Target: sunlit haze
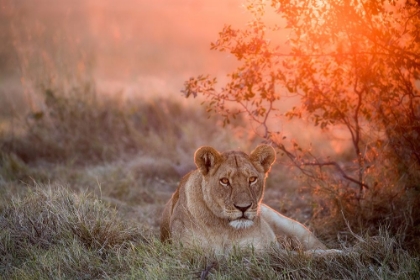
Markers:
(155, 43)
(129, 47)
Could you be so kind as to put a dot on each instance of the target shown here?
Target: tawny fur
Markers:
(206, 211)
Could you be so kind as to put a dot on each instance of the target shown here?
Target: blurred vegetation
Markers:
(83, 127)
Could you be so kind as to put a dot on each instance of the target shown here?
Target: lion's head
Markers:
(233, 184)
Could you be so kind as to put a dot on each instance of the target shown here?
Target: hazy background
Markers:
(130, 48)
(141, 47)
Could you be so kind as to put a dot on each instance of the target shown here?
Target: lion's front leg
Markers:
(282, 225)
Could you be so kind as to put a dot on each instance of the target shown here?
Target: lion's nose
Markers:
(242, 207)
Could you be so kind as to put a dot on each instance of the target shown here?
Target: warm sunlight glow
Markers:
(127, 42)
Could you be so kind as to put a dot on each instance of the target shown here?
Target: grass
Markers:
(66, 218)
(90, 208)
(51, 232)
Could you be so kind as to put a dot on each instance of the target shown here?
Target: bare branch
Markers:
(299, 164)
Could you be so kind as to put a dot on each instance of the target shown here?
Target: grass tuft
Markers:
(51, 228)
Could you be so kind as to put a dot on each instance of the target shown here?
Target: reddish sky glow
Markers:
(120, 41)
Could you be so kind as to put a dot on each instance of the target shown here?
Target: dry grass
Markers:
(90, 209)
(51, 232)
(100, 219)
(83, 128)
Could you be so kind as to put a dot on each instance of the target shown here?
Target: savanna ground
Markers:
(85, 173)
(87, 204)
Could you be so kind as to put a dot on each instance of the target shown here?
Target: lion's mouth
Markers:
(241, 223)
(241, 220)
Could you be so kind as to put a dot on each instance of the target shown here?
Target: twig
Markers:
(320, 164)
(206, 271)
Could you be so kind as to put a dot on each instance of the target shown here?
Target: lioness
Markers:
(219, 206)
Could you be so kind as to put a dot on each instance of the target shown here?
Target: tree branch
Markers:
(320, 164)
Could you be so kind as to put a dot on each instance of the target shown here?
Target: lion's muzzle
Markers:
(241, 223)
(243, 218)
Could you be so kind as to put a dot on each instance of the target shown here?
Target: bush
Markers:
(82, 126)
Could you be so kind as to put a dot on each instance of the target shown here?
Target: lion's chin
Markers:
(241, 223)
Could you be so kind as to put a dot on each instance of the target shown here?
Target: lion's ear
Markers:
(206, 158)
(264, 155)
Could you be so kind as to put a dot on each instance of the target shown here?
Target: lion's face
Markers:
(234, 183)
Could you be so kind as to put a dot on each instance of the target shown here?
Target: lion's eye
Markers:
(224, 181)
(252, 180)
